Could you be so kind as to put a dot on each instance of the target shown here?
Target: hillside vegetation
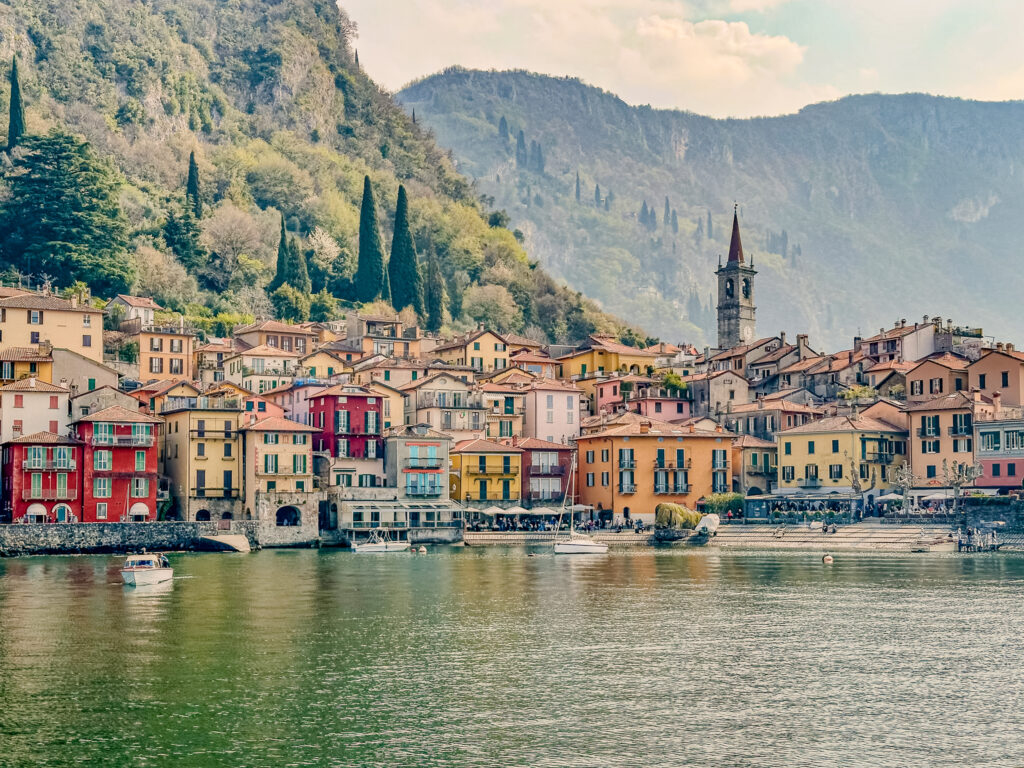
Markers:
(856, 212)
(282, 124)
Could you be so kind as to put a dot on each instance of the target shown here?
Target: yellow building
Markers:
(603, 353)
(481, 350)
(278, 471)
(392, 411)
(153, 396)
(626, 470)
(323, 365)
(505, 408)
(30, 319)
(25, 363)
(485, 472)
(278, 335)
(851, 454)
(202, 456)
(165, 352)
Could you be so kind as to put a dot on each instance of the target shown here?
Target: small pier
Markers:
(226, 542)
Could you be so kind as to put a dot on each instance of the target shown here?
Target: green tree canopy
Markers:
(404, 267)
(434, 295)
(192, 191)
(16, 125)
(298, 271)
(289, 304)
(63, 218)
(281, 273)
(370, 272)
(181, 233)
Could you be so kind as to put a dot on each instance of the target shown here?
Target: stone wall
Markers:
(986, 510)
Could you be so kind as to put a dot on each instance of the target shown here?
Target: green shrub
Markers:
(668, 515)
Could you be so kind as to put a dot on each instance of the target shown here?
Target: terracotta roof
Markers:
(632, 377)
(802, 365)
(735, 246)
(535, 444)
(32, 384)
(846, 423)
(892, 365)
(776, 404)
(120, 415)
(664, 348)
(609, 344)
(6, 291)
(509, 389)
(408, 430)
(743, 349)
(461, 341)
(93, 391)
(654, 428)
(158, 387)
(896, 333)
(479, 445)
(273, 326)
(216, 346)
(512, 339)
(278, 424)
(749, 441)
(952, 401)
(343, 390)
(23, 355)
(553, 384)
(420, 382)
(775, 356)
(532, 357)
(38, 301)
(143, 302)
(46, 438)
(264, 350)
(946, 360)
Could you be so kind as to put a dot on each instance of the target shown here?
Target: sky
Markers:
(725, 58)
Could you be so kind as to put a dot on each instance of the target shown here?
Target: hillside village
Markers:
(362, 422)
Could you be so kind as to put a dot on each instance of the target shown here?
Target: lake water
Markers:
(488, 657)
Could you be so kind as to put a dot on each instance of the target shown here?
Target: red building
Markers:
(42, 479)
(119, 465)
(347, 419)
(546, 469)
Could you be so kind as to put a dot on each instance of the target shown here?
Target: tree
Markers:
(404, 267)
(289, 304)
(597, 195)
(370, 272)
(668, 213)
(522, 159)
(903, 479)
(957, 475)
(385, 294)
(63, 216)
(192, 192)
(323, 307)
(323, 251)
(675, 222)
(503, 130)
(493, 306)
(434, 295)
(711, 232)
(652, 219)
(298, 272)
(643, 214)
(281, 273)
(16, 124)
(183, 237)
(577, 186)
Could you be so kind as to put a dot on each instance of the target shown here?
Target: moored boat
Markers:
(580, 544)
(143, 570)
(379, 542)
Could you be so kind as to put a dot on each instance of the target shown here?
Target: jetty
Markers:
(538, 538)
(868, 535)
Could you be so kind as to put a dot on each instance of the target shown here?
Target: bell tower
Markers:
(736, 310)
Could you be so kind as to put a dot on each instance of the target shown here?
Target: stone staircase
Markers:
(868, 535)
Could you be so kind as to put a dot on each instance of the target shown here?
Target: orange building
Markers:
(935, 376)
(625, 471)
(999, 370)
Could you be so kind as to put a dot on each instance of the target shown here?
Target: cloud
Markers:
(759, 6)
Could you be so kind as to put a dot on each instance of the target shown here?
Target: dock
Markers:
(227, 542)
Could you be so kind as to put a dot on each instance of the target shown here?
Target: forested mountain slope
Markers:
(856, 212)
(271, 99)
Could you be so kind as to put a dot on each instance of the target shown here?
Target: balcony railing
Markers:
(545, 495)
(547, 469)
(424, 463)
(490, 470)
(925, 432)
(809, 482)
(138, 441)
(497, 496)
(215, 493)
(49, 494)
(962, 430)
(627, 463)
(685, 464)
(35, 465)
(761, 469)
(720, 464)
(420, 491)
(214, 434)
(881, 457)
(431, 400)
(661, 489)
(684, 488)
(627, 488)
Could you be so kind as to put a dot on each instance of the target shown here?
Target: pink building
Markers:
(611, 394)
(348, 423)
(552, 411)
(657, 402)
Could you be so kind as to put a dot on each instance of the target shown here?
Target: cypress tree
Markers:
(711, 232)
(608, 203)
(281, 274)
(668, 213)
(404, 268)
(385, 293)
(181, 234)
(298, 272)
(597, 195)
(522, 158)
(434, 295)
(192, 193)
(675, 222)
(643, 213)
(414, 117)
(16, 126)
(652, 219)
(503, 130)
(577, 186)
(370, 272)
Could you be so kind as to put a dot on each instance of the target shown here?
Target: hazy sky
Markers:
(717, 57)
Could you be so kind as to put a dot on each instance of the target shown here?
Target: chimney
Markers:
(857, 341)
(999, 346)
(707, 353)
(997, 404)
(1009, 347)
(782, 338)
(32, 382)
(976, 395)
(74, 300)
(645, 427)
(903, 322)
(925, 319)
(760, 402)
(692, 427)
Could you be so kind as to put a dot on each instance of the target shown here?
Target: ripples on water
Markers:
(492, 658)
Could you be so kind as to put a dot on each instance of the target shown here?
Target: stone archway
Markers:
(203, 515)
(289, 516)
(227, 516)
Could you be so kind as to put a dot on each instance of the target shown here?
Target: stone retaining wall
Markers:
(984, 511)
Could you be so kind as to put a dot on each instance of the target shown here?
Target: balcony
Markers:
(720, 489)
(122, 474)
(683, 489)
(424, 492)
(490, 470)
(961, 430)
(49, 494)
(761, 469)
(215, 493)
(658, 488)
(925, 432)
(685, 464)
(881, 457)
(461, 402)
(627, 463)
(214, 434)
(720, 464)
(34, 465)
(627, 488)
(496, 496)
(558, 496)
(424, 463)
(121, 441)
(547, 469)
(356, 431)
(809, 482)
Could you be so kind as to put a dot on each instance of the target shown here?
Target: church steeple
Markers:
(735, 244)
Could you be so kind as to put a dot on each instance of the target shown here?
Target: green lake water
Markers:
(488, 657)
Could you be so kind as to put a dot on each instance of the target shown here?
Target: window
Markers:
(604, 454)
(299, 439)
(270, 438)
(140, 461)
(990, 441)
(19, 401)
(200, 449)
(91, 384)
(917, 387)
(270, 463)
(590, 457)
(605, 479)
(176, 366)
(1011, 469)
(155, 344)
(156, 365)
(835, 472)
(33, 337)
(787, 448)
(930, 470)
(810, 446)
(140, 487)
(101, 487)
(299, 464)
(227, 450)
(176, 346)
(787, 473)
(590, 479)
(996, 470)
(981, 380)
(35, 317)
(1005, 378)
(835, 446)
(102, 461)
(86, 340)
(101, 511)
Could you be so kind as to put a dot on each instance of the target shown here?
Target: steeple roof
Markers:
(735, 245)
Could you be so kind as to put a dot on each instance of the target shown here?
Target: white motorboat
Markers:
(577, 543)
(144, 570)
(708, 524)
(379, 542)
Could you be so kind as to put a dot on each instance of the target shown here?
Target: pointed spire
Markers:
(735, 246)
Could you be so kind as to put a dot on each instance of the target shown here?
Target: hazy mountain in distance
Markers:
(857, 212)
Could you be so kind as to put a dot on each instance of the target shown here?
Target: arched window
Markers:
(730, 288)
(746, 288)
(288, 516)
(203, 515)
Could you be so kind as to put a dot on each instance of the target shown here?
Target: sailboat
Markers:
(379, 542)
(578, 543)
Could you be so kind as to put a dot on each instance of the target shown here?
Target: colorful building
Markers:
(546, 470)
(602, 353)
(999, 370)
(1000, 454)
(165, 351)
(485, 472)
(481, 350)
(120, 456)
(552, 411)
(937, 375)
(29, 406)
(277, 335)
(42, 479)
(417, 462)
(30, 319)
(505, 406)
(447, 403)
(26, 362)
(279, 472)
(348, 437)
(754, 465)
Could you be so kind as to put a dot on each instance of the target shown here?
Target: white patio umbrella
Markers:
(515, 511)
(890, 497)
(936, 497)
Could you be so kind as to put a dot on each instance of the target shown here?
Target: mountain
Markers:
(856, 212)
(283, 123)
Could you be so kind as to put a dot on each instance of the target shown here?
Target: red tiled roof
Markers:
(120, 415)
(278, 424)
(32, 385)
(479, 445)
(46, 438)
(38, 301)
(952, 401)
(535, 444)
(273, 326)
(749, 441)
(143, 302)
(23, 355)
(844, 423)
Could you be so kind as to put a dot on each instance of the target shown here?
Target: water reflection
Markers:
(491, 657)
